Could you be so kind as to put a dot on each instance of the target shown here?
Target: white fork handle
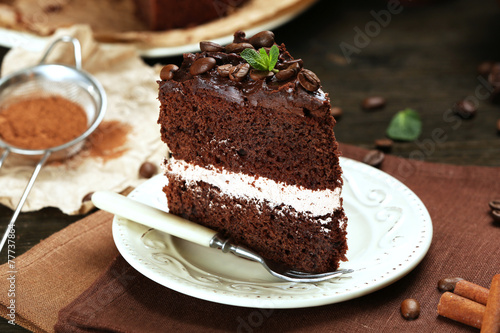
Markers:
(151, 217)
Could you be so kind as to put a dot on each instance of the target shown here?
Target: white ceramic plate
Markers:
(13, 38)
(389, 233)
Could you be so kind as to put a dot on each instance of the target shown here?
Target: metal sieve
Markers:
(45, 80)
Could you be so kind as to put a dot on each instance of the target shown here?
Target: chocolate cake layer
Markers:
(298, 240)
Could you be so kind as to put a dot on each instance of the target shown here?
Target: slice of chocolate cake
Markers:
(253, 153)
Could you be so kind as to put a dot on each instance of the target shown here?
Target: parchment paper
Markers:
(131, 90)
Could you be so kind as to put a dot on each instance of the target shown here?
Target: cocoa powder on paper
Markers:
(108, 141)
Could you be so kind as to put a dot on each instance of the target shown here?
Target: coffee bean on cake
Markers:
(224, 70)
(262, 39)
(238, 47)
(308, 80)
(239, 72)
(211, 47)
(167, 72)
(259, 75)
(296, 63)
(202, 65)
(285, 74)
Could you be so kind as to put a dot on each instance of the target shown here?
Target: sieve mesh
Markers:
(33, 84)
(54, 80)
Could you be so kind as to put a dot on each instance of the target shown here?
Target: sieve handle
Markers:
(24, 197)
(4, 156)
(77, 50)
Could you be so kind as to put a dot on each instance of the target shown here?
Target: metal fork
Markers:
(179, 227)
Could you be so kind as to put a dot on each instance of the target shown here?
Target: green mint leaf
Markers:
(265, 57)
(261, 60)
(255, 59)
(405, 126)
(273, 56)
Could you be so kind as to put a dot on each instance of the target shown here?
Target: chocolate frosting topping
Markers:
(294, 88)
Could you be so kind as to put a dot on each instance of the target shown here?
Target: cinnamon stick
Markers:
(491, 319)
(461, 309)
(472, 291)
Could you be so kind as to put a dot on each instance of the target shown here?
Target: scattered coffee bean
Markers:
(211, 47)
(242, 152)
(308, 80)
(484, 68)
(374, 158)
(448, 284)
(410, 309)
(202, 65)
(494, 80)
(167, 72)
(465, 109)
(239, 72)
(494, 204)
(496, 215)
(148, 170)
(259, 75)
(238, 47)
(384, 145)
(262, 39)
(223, 70)
(336, 112)
(494, 75)
(373, 103)
(87, 197)
(285, 74)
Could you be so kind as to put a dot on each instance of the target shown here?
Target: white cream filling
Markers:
(317, 203)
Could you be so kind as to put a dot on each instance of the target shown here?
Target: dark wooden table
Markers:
(423, 58)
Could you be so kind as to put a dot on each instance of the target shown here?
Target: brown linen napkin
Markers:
(58, 270)
(465, 244)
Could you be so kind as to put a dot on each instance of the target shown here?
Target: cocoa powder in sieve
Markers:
(41, 122)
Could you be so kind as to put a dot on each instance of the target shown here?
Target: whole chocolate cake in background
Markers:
(173, 14)
(253, 152)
